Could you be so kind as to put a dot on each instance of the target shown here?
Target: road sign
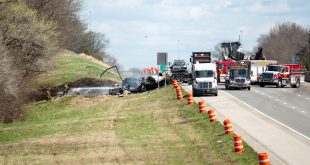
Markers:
(162, 58)
(162, 68)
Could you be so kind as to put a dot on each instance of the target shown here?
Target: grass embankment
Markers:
(147, 128)
(71, 67)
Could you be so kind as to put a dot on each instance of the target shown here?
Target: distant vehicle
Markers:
(204, 75)
(238, 77)
(222, 68)
(134, 85)
(282, 75)
(179, 71)
(258, 67)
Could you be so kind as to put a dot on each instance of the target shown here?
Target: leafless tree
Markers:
(283, 42)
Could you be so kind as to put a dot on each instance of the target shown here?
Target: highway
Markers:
(272, 120)
(290, 106)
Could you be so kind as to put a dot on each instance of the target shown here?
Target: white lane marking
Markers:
(294, 107)
(308, 98)
(284, 103)
(269, 117)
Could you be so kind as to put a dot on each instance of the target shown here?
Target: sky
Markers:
(138, 29)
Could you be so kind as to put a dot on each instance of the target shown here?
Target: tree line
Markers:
(31, 33)
(287, 42)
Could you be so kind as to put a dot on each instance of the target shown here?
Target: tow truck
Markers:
(179, 71)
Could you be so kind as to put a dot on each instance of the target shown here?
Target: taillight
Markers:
(276, 76)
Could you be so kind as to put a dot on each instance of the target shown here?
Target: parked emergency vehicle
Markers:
(257, 68)
(282, 75)
(222, 68)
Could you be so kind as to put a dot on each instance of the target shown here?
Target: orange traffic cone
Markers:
(179, 95)
(238, 145)
(263, 159)
(228, 127)
(212, 115)
(177, 88)
(190, 99)
(202, 107)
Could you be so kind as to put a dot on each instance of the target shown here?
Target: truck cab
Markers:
(282, 75)
(204, 75)
(238, 77)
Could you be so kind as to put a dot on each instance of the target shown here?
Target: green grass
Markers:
(70, 67)
(148, 128)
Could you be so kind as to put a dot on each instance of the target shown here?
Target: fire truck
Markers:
(222, 68)
(283, 75)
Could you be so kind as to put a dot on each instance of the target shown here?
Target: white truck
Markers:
(257, 68)
(204, 75)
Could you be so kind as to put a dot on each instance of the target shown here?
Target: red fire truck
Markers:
(222, 69)
(282, 75)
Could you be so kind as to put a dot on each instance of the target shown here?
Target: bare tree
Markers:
(283, 42)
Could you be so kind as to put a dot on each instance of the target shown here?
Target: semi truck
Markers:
(204, 75)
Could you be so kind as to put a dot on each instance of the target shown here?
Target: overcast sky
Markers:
(138, 29)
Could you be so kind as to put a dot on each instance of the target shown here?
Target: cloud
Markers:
(270, 8)
(140, 28)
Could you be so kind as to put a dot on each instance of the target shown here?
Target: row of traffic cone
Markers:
(238, 143)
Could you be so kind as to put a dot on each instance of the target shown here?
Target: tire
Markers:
(262, 85)
(215, 94)
(298, 84)
(279, 84)
(194, 93)
(143, 89)
(249, 88)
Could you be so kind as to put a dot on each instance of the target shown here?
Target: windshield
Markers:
(273, 68)
(179, 63)
(239, 73)
(131, 80)
(204, 73)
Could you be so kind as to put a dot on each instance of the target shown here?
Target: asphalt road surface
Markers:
(272, 120)
(289, 106)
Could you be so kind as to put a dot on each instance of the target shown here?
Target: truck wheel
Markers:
(194, 93)
(261, 85)
(215, 94)
(297, 85)
(279, 84)
(249, 88)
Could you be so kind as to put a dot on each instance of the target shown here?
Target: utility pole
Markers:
(178, 49)
(90, 35)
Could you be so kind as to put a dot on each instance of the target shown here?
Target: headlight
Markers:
(231, 81)
(195, 84)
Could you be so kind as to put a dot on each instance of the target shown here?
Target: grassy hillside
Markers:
(70, 67)
(148, 128)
